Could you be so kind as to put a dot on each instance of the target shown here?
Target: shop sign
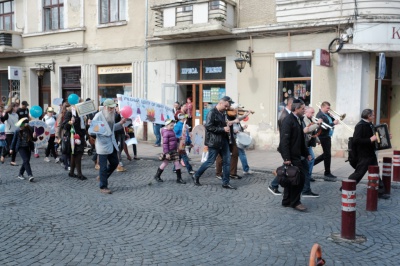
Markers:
(377, 33)
(189, 71)
(322, 58)
(114, 69)
(14, 73)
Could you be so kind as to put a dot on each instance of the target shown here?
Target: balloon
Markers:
(73, 99)
(36, 111)
(126, 111)
(246, 119)
(2, 128)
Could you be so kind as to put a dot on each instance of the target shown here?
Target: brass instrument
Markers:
(323, 125)
(338, 117)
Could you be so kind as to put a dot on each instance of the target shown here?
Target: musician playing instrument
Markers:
(364, 146)
(311, 129)
(325, 138)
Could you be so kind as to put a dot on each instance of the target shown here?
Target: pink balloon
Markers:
(126, 111)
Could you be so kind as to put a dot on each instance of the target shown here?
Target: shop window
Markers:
(294, 80)
(70, 81)
(206, 69)
(213, 69)
(112, 11)
(113, 80)
(7, 15)
(53, 11)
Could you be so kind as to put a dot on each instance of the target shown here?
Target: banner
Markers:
(42, 132)
(148, 111)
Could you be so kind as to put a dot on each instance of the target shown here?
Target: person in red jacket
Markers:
(170, 152)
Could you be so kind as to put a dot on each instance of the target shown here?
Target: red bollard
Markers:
(348, 209)
(387, 174)
(396, 166)
(372, 189)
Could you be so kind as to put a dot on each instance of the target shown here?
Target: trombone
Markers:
(323, 125)
(337, 116)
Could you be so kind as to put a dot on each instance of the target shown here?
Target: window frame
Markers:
(49, 8)
(120, 10)
(10, 15)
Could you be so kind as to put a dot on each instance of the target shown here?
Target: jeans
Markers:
(157, 133)
(307, 186)
(6, 150)
(212, 155)
(25, 153)
(275, 182)
(107, 169)
(185, 159)
(243, 160)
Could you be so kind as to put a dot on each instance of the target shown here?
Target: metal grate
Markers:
(6, 39)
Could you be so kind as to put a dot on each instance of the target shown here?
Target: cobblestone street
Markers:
(59, 220)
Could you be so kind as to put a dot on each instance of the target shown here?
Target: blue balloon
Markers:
(2, 128)
(73, 99)
(36, 111)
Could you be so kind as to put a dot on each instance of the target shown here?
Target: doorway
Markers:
(386, 91)
(44, 91)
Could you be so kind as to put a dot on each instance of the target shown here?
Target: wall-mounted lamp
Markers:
(243, 58)
(43, 67)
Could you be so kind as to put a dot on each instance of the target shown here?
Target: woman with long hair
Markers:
(60, 131)
(10, 118)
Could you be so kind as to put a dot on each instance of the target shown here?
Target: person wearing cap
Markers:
(170, 153)
(23, 142)
(23, 111)
(50, 120)
(217, 140)
(10, 118)
(179, 129)
(106, 144)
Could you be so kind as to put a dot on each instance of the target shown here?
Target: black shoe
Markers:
(158, 179)
(196, 180)
(384, 196)
(235, 176)
(72, 175)
(329, 177)
(310, 194)
(82, 177)
(228, 186)
(312, 179)
(340, 189)
(274, 191)
(180, 181)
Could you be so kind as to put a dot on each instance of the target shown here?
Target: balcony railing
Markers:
(180, 19)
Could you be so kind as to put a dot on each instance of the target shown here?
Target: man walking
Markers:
(294, 152)
(106, 145)
(325, 138)
(364, 145)
(217, 139)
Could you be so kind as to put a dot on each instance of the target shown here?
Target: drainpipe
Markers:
(146, 62)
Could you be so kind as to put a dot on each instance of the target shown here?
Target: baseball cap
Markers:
(109, 103)
(25, 103)
(227, 99)
(21, 121)
(182, 116)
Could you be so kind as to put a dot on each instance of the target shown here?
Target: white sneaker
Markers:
(121, 164)
(30, 178)
(21, 177)
(69, 168)
(46, 159)
(57, 160)
(218, 177)
(250, 172)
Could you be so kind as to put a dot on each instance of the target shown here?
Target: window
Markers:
(70, 81)
(294, 80)
(113, 80)
(216, 5)
(53, 11)
(7, 15)
(112, 11)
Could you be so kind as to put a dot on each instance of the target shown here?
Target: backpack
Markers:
(352, 153)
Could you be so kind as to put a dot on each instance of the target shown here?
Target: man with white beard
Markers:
(106, 145)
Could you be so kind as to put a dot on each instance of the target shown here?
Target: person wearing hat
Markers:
(23, 111)
(106, 144)
(170, 153)
(179, 129)
(23, 143)
(50, 120)
(217, 140)
(10, 118)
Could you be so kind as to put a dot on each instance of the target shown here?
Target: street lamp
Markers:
(243, 57)
(43, 67)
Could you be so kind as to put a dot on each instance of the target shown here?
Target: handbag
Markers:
(288, 175)
(66, 144)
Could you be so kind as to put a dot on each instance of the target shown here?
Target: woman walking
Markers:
(60, 132)
(50, 120)
(10, 118)
(170, 146)
(23, 142)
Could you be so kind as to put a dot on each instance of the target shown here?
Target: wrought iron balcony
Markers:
(188, 18)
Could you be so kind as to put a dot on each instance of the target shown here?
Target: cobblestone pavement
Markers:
(58, 220)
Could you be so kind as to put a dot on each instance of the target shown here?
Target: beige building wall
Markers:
(395, 104)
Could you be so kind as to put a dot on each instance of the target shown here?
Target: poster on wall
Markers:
(300, 90)
(148, 111)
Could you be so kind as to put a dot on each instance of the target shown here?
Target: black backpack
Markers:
(352, 153)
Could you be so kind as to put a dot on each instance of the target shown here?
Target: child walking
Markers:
(23, 142)
(170, 145)
(180, 128)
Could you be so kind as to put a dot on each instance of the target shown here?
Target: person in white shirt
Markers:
(50, 120)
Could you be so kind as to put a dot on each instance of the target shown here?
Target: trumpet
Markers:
(338, 117)
(323, 125)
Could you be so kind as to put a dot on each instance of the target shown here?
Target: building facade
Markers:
(168, 50)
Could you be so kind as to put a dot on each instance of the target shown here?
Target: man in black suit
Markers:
(293, 150)
(325, 139)
(274, 186)
(364, 146)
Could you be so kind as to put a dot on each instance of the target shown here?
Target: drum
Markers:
(243, 140)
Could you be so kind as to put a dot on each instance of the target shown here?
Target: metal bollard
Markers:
(372, 190)
(348, 209)
(387, 174)
(396, 166)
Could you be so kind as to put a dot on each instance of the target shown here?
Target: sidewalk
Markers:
(262, 161)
